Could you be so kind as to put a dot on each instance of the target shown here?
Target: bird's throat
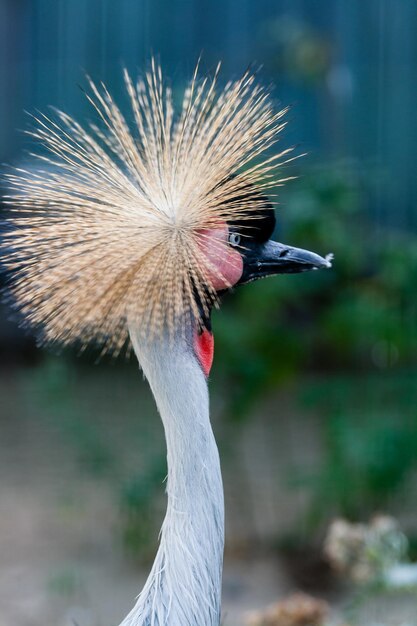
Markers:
(204, 349)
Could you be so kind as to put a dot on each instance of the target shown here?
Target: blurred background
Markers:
(314, 395)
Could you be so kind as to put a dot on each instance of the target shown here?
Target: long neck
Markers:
(184, 586)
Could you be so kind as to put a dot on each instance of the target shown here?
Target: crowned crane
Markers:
(129, 236)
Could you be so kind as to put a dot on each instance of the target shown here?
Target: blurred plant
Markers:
(359, 316)
(355, 324)
(365, 552)
(53, 390)
(374, 557)
(295, 48)
(65, 582)
(370, 444)
(52, 383)
(138, 504)
(298, 609)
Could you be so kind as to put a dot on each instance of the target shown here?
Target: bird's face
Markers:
(249, 254)
(262, 257)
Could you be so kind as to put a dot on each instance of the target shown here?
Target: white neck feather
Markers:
(184, 586)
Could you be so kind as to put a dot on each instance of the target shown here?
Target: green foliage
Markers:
(53, 385)
(358, 319)
(65, 582)
(294, 49)
(138, 504)
(370, 443)
(360, 315)
(61, 392)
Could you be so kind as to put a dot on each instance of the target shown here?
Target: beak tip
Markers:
(328, 260)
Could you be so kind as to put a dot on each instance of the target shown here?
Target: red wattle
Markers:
(204, 349)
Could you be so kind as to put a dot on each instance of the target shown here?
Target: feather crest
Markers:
(114, 226)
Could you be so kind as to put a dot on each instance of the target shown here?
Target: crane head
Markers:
(145, 227)
(262, 256)
(251, 254)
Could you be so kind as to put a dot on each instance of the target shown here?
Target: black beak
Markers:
(272, 258)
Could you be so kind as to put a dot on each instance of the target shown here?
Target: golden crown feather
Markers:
(112, 225)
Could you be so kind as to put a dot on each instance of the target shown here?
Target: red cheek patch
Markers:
(224, 265)
(204, 349)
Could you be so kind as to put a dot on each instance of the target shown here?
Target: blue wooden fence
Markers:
(348, 66)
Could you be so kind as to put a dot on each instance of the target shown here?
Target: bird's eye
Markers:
(234, 239)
